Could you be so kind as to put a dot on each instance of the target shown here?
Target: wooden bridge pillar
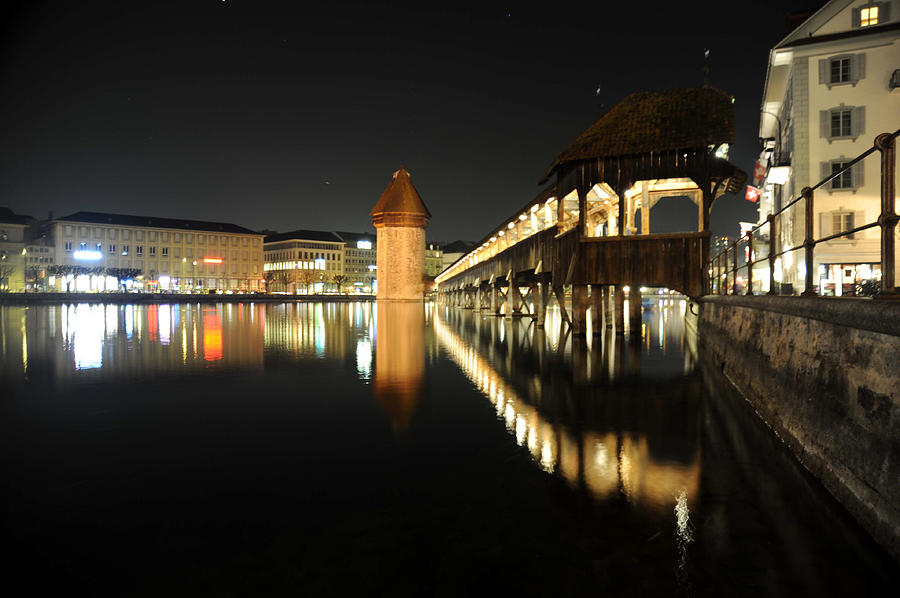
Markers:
(495, 299)
(596, 309)
(540, 304)
(634, 309)
(579, 309)
(606, 293)
(477, 306)
(619, 297)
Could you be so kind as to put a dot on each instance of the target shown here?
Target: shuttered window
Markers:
(843, 122)
(850, 179)
(871, 13)
(842, 70)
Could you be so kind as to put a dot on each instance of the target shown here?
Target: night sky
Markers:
(278, 115)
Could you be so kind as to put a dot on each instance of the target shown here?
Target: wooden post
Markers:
(607, 311)
(579, 309)
(596, 309)
(495, 300)
(478, 297)
(634, 309)
(560, 293)
(619, 297)
(540, 304)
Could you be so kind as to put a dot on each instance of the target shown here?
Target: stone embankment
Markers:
(823, 374)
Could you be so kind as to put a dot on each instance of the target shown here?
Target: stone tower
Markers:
(400, 219)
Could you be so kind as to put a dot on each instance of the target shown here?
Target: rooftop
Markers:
(400, 197)
(154, 222)
(305, 235)
(655, 121)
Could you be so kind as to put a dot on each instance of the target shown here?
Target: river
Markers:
(355, 449)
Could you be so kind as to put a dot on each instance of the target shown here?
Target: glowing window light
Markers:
(86, 254)
(212, 260)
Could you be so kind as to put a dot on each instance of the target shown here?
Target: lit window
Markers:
(868, 16)
(152, 250)
(83, 246)
(124, 249)
(139, 250)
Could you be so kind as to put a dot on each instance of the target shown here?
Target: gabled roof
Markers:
(400, 197)
(7, 216)
(305, 235)
(819, 18)
(655, 121)
(154, 222)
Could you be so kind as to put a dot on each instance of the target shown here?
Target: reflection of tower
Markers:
(400, 219)
(399, 360)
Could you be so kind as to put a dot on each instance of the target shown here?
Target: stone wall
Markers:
(823, 373)
(401, 263)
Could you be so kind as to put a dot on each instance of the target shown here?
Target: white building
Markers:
(170, 255)
(304, 260)
(831, 88)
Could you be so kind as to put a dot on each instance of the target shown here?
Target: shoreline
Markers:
(126, 298)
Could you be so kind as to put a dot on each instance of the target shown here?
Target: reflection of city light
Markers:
(212, 335)
(364, 358)
(165, 323)
(88, 336)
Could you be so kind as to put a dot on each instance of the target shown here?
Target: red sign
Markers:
(759, 172)
(752, 194)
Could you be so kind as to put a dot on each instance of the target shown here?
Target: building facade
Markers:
(831, 88)
(13, 231)
(162, 254)
(360, 261)
(304, 261)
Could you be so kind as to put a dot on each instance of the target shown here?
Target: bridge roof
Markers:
(655, 121)
(400, 197)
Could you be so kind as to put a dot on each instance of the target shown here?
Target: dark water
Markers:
(322, 449)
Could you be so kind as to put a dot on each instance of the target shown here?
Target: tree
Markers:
(6, 271)
(306, 278)
(339, 280)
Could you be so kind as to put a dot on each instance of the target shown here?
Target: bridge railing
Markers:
(733, 271)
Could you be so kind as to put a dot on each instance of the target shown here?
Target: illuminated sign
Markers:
(212, 260)
(364, 244)
(84, 254)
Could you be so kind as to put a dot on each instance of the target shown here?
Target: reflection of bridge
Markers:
(611, 439)
(583, 231)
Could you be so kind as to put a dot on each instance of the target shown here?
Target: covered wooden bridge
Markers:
(582, 235)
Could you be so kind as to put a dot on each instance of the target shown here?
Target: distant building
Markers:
(12, 250)
(453, 251)
(831, 87)
(434, 260)
(303, 261)
(360, 261)
(169, 254)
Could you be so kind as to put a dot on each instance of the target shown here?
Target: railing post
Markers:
(771, 220)
(725, 271)
(887, 144)
(734, 271)
(809, 244)
(750, 263)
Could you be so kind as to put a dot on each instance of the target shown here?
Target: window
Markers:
(68, 246)
(842, 221)
(98, 246)
(124, 249)
(843, 69)
(843, 180)
(112, 248)
(82, 246)
(165, 251)
(139, 250)
(152, 250)
(871, 13)
(843, 122)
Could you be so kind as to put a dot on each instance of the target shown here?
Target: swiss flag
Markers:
(752, 194)
(759, 172)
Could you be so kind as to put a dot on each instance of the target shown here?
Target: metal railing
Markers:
(726, 267)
